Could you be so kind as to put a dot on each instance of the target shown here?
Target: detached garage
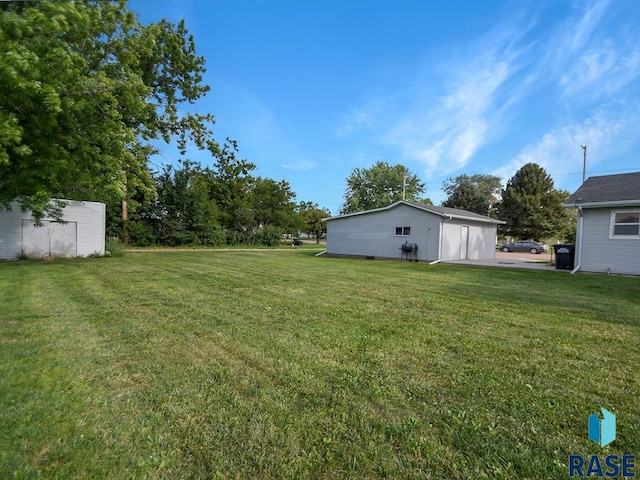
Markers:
(438, 233)
(83, 233)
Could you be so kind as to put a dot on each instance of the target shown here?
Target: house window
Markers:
(403, 231)
(625, 224)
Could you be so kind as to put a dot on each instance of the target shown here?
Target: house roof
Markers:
(607, 190)
(440, 211)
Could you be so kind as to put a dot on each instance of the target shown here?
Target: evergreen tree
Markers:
(531, 206)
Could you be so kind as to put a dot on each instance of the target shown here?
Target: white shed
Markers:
(440, 233)
(83, 233)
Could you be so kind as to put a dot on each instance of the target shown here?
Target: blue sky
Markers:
(313, 89)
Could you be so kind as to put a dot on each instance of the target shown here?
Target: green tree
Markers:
(569, 233)
(273, 205)
(184, 212)
(379, 186)
(531, 206)
(467, 196)
(311, 216)
(232, 181)
(85, 90)
(476, 193)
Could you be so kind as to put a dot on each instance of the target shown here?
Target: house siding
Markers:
(90, 228)
(603, 254)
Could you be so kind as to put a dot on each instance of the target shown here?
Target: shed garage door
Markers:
(52, 239)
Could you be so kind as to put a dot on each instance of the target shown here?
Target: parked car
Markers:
(525, 246)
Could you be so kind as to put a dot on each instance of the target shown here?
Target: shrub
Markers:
(114, 246)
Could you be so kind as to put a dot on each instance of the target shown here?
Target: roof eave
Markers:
(362, 212)
(420, 207)
(611, 203)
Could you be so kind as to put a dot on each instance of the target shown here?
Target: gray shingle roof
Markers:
(441, 211)
(454, 212)
(623, 187)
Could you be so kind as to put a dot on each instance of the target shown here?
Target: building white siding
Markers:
(464, 240)
(373, 234)
(11, 232)
(82, 235)
(603, 254)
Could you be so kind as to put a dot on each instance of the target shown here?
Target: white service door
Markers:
(464, 242)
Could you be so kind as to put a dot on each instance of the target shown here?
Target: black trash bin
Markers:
(565, 254)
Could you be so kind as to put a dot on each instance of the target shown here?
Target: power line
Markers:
(622, 170)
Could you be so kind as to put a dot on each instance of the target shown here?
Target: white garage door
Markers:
(52, 239)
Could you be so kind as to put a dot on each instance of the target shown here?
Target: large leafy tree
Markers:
(477, 193)
(232, 186)
(311, 216)
(85, 90)
(183, 212)
(531, 206)
(272, 204)
(379, 186)
(197, 205)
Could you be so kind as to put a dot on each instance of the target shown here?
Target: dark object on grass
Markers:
(409, 251)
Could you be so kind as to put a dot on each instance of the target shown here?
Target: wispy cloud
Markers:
(446, 134)
(601, 72)
(590, 62)
(521, 61)
(611, 130)
(300, 166)
(443, 131)
(596, 70)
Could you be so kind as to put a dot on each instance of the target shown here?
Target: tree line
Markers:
(210, 206)
(529, 203)
(87, 95)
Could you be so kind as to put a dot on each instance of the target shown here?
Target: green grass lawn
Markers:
(280, 364)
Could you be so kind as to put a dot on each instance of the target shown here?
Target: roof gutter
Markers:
(579, 241)
(612, 203)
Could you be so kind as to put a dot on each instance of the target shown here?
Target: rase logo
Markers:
(602, 430)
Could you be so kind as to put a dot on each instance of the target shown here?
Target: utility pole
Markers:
(404, 185)
(584, 162)
(125, 215)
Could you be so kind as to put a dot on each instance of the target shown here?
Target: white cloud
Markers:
(528, 70)
(445, 133)
(300, 166)
(610, 131)
(443, 130)
(587, 25)
(594, 59)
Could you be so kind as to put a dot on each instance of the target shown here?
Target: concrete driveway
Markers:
(533, 261)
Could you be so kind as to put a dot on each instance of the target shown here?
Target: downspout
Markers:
(579, 241)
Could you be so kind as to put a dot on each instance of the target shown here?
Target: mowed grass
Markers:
(277, 365)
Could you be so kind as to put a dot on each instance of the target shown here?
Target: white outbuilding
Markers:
(428, 233)
(81, 234)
